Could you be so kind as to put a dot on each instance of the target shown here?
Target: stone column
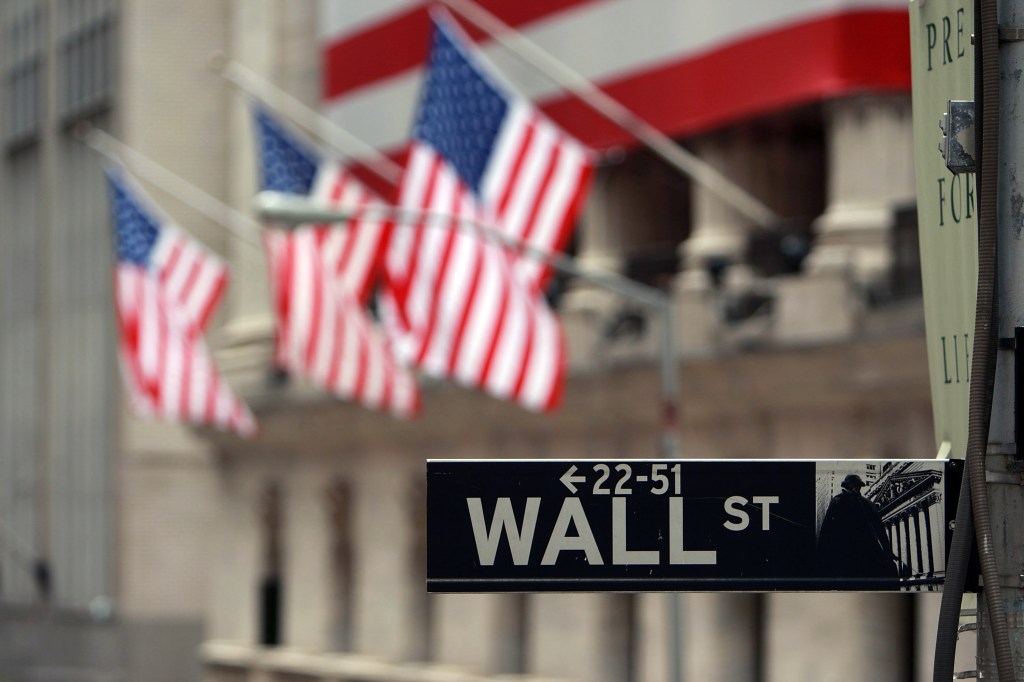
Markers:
(870, 172)
(837, 636)
(600, 244)
(385, 617)
(720, 636)
(718, 236)
(584, 306)
(473, 630)
(713, 255)
(253, 45)
(307, 561)
(631, 207)
(271, 39)
(235, 558)
(565, 636)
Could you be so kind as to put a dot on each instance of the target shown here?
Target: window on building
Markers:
(86, 57)
(24, 44)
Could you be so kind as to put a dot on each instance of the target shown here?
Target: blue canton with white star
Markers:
(461, 111)
(286, 164)
(135, 230)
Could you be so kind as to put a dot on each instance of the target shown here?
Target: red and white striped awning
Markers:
(684, 66)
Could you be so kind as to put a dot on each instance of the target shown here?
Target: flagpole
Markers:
(294, 209)
(297, 209)
(239, 224)
(674, 154)
(321, 127)
(655, 299)
(350, 145)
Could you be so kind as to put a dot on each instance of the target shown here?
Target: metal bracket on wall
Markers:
(1010, 34)
(957, 143)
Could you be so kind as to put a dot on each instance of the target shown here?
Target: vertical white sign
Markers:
(942, 59)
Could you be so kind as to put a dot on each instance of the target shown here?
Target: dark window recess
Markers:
(653, 264)
(23, 41)
(270, 610)
(271, 586)
(906, 271)
(780, 250)
(86, 57)
(339, 514)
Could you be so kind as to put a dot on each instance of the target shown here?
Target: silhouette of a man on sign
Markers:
(853, 542)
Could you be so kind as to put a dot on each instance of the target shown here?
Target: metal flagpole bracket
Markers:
(666, 148)
(1004, 477)
(957, 143)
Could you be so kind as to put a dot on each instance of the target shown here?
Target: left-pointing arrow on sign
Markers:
(569, 480)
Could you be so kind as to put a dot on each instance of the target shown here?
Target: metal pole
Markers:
(277, 99)
(294, 209)
(240, 225)
(661, 144)
(1005, 446)
(670, 449)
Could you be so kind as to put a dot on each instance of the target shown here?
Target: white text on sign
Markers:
(520, 534)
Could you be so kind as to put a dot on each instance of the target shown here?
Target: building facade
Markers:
(300, 555)
(102, 517)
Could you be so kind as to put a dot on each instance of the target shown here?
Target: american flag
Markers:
(467, 308)
(320, 275)
(166, 288)
(323, 334)
(289, 163)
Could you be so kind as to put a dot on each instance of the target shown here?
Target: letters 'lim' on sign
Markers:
(702, 525)
(942, 60)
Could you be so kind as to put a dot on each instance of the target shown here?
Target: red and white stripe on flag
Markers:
(353, 251)
(189, 275)
(461, 310)
(323, 334)
(167, 366)
(535, 182)
(686, 69)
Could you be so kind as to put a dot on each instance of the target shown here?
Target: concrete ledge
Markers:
(253, 663)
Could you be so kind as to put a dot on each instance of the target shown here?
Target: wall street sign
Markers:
(698, 525)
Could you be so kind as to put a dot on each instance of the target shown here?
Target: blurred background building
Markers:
(134, 550)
